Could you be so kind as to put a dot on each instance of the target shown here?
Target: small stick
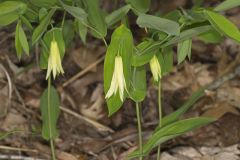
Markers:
(98, 125)
(81, 73)
(18, 149)
(10, 88)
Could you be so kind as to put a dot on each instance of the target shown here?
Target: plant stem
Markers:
(53, 149)
(63, 20)
(139, 129)
(51, 140)
(160, 116)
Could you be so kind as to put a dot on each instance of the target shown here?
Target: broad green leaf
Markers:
(10, 11)
(49, 106)
(144, 52)
(157, 23)
(46, 42)
(174, 15)
(31, 15)
(68, 32)
(26, 22)
(122, 44)
(117, 15)
(223, 25)
(76, 12)
(173, 117)
(191, 17)
(171, 131)
(165, 58)
(18, 46)
(42, 27)
(187, 34)
(141, 6)
(82, 30)
(23, 40)
(184, 49)
(227, 4)
(211, 36)
(95, 18)
(43, 3)
(138, 86)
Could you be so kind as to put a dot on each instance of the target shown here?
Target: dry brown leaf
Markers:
(14, 121)
(65, 156)
(219, 109)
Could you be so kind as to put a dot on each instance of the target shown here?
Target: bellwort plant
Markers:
(52, 25)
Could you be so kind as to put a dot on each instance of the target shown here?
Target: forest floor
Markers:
(87, 133)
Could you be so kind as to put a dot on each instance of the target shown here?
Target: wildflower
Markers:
(155, 68)
(118, 80)
(54, 61)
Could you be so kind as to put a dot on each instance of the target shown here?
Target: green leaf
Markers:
(223, 25)
(187, 34)
(46, 42)
(173, 117)
(23, 40)
(227, 4)
(117, 15)
(42, 27)
(122, 44)
(184, 49)
(43, 3)
(49, 105)
(171, 131)
(95, 18)
(140, 5)
(144, 52)
(191, 17)
(82, 30)
(26, 22)
(10, 11)
(174, 15)
(18, 46)
(160, 24)
(165, 59)
(76, 12)
(31, 14)
(68, 32)
(138, 86)
(210, 36)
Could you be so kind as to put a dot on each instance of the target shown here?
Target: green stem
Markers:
(53, 149)
(63, 20)
(51, 140)
(160, 116)
(139, 129)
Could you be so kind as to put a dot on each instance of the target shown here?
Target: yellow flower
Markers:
(54, 61)
(155, 68)
(118, 80)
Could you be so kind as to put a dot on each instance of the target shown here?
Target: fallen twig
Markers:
(96, 124)
(84, 71)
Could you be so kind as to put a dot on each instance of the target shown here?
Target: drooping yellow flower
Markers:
(118, 80)
(155, 68)
(54, 61)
